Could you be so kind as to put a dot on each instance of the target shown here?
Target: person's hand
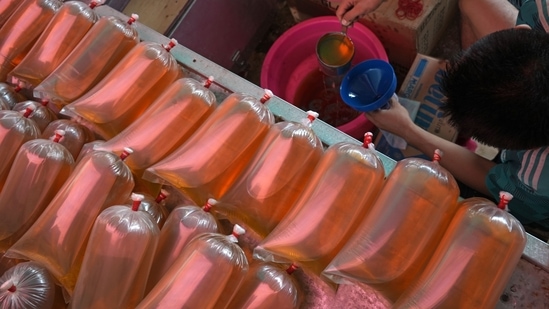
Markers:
(395, 120)
(350, 10)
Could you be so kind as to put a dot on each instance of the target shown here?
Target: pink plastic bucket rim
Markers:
(293, 56)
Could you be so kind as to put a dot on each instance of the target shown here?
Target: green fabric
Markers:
(533, 13)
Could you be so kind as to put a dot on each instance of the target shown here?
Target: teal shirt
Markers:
(524, 174)
(534, 13)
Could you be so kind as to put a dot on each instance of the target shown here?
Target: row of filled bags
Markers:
(304, 203)
(397, 241)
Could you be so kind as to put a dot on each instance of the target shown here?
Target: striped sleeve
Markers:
(534, 170)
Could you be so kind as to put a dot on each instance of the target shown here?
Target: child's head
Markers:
(498, 90)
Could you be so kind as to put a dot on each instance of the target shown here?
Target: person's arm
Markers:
(466, 166)
(350, 10)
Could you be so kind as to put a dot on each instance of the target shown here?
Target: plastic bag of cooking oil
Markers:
(127, 90)
(87, 148)
(58, 238)
(118, 258)
(205, 275)
(40, 168)
(409, 217)
(168, 123)
(7, 7)
(148, 204)
(41, 114)
(267, 286)
(182, 225)
(9, 96)
(209, 162)
(474, 260)
(67, 27)
(273, 181)
(15, 129)
(27, 285)
(75, 135)
(338, 196)
(21, 31)
(7, 263)
(97, 53)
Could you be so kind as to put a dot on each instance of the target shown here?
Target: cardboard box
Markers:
(422, 84)
(402, 38)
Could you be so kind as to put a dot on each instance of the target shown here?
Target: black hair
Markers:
(497, 91)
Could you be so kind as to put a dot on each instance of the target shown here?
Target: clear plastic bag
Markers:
(339, 195)
(58, 238)
(273, 181)
(9, 96)
(168, 123)
(205, 275)
(7, 7)
(67, 27)
(472, 263)
(41, 114)
(148, 204)
(15, 130)
(267, 286)
(75, 135)
(7, 263)
(118, 258)
(87, 148)
(127, 90)
(40, 168)
(183, 224)
(22, 29)
(209, 162)
(97, 53)
(27, 285)
(395, 241)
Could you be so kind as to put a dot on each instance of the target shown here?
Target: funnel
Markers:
(369, 85)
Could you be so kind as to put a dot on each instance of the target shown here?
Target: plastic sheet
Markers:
(41, 114)
(58, 238)
(22, 29)
(339, 195)
(118, 258)
(7, 7)
(395, 241)
(127, 90)
(9, 96)
(473, 262)
(275, 178)
(75, 135)
(216, 154)
(15, 130)
(27, 285)
(39, 170)
(267, 286)
(205, 275)
(166, 125)
(67, 27)
(183, 224)
(97, 53)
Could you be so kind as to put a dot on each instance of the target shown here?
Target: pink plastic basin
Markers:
(293, 56)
